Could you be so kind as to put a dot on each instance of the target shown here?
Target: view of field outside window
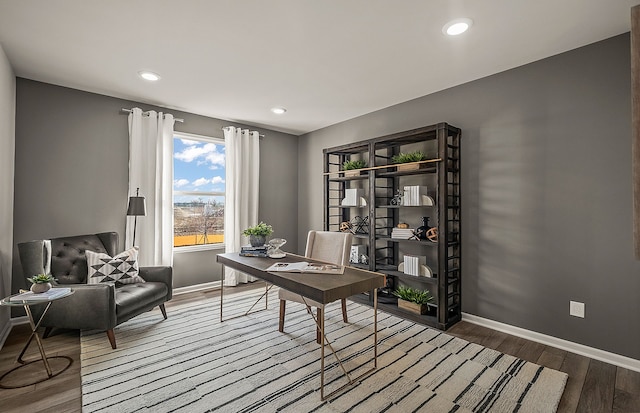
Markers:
(198, 191)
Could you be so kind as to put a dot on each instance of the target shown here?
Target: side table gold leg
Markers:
(34, 333)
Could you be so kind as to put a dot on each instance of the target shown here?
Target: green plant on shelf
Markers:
(41, 279)
(261, 229)
(355, 164)
(414, 156)
(413, 295)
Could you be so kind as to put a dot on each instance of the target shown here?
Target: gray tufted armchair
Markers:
(92, 306)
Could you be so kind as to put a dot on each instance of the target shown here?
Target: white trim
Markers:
(198, 193)
(5, 333)
(197, 287)
(594, 353)
(200, 247)
(16, 321)
(213, 139)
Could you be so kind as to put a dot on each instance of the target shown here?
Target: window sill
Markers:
(196, 248)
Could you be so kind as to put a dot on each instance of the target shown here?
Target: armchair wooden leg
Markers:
(344, 311)
(47, 331)
(283, 306)
(318, 332)
(164, 312)
(112, 338)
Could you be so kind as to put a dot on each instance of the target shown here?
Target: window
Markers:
(198, 190)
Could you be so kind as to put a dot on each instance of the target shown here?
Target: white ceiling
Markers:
(325, 61)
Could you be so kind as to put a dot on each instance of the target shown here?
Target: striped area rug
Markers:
(193, 363)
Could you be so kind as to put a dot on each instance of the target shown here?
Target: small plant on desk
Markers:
(258, 234)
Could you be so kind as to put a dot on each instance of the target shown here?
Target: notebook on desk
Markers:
(306, 267)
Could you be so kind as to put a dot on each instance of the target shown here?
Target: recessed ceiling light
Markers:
(457, 26)
(278, 111)
(150, 76)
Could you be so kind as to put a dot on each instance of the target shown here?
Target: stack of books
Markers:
(45, 296)
(402, 233)
(249, 251)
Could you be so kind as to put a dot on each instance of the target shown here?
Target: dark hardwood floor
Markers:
(593, 386)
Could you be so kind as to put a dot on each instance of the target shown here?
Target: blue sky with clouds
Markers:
(198, 166)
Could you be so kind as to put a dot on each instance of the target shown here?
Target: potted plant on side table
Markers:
(41, 283)
(258, 234)
(412, 299)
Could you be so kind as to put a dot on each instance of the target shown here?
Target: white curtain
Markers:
(151, 170)
(242, 149)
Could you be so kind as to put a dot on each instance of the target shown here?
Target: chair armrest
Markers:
(159, 274)
(91, 306)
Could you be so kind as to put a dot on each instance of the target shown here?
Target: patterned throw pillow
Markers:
(121, 269)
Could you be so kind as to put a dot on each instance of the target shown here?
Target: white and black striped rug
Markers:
(193, 363)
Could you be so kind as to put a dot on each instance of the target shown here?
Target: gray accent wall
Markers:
(546, 184)
(72, 170)
(7, 146)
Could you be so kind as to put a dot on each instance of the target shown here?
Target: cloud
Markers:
(200, 182)
(193, 152)
(216, 159)
(177, 183)
(217, 180)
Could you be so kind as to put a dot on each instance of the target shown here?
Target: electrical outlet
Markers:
(576, 309)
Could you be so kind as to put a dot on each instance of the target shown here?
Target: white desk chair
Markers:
(331, 247)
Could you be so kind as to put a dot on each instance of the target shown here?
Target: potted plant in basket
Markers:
(415, 156)
(258, 234)
(412, 299)
(353, 166)
(41, 283)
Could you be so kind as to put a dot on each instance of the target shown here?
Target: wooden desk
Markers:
(323, 288)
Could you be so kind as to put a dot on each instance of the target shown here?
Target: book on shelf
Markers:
(416, 195)
(413, 264)
(307, 267)
(354, 197)
(45, 296)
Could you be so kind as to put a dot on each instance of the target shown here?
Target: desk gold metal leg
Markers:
(375, 328)
(222, 291)
(265, 295)
(321, 325)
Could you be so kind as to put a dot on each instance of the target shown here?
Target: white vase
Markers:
(40, 288)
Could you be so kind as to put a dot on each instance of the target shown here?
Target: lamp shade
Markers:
(137, 206)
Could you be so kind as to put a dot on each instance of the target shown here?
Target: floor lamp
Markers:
(137, 208)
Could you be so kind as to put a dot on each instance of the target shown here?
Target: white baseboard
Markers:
(7, 328)
(5, 333)
(594, 353)
(197, 287)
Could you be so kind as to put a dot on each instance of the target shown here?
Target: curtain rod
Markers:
(261, 135)
(129, 111)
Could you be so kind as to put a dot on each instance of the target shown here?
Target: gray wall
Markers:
(7, 145)
(546, 185)
(71, 170)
